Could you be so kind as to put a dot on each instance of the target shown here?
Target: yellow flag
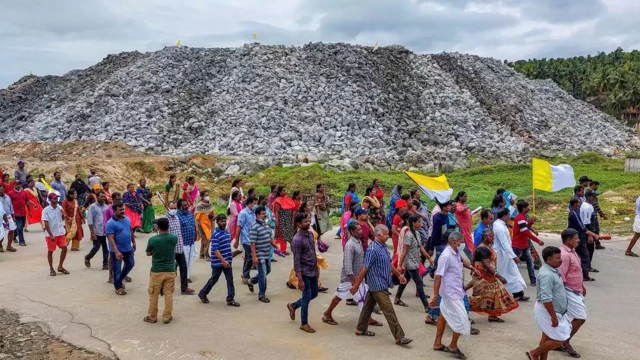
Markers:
(435, 187)
(46, 185)
(551, 178)
(178, 44)
(255, 36)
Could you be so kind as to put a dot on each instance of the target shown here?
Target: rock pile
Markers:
(347, 105)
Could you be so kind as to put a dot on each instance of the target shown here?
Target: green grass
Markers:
(619, 189)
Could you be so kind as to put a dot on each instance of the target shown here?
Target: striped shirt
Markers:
(175, 229)
(353, 259)
(378, 263)
(221, 241)
(260, 234)
(187, 227)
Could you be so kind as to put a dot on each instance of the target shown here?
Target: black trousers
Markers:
(182, 266)
(101, 241)
(583, 252)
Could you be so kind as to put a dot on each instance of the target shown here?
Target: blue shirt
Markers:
(638, 206)
(221, 241)
(121, 231)
(246, 219)
(61, 188)
(440, 226)
(378, 263)
(187, 227)
(477, 234)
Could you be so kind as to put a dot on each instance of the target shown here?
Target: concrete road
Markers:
(82, 308)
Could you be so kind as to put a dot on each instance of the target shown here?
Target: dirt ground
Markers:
(31, 340)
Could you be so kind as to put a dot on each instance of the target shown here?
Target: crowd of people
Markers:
(257, 227)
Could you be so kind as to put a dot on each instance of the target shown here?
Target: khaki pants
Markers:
(384, 301)
(167, 282)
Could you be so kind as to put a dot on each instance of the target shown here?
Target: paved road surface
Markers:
(82, 308)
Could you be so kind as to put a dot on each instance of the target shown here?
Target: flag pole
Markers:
(534, 201)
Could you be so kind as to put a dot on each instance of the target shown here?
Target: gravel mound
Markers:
(343, 103)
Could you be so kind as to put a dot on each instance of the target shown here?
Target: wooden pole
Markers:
(534, 201)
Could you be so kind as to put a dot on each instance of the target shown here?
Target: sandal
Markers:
(475, 331)
(403, 341)
(366, 333)
(63, 271)
(168, 320)
(11, 249)
(375, 323)
(329, 321)
(121, 292)
(430, 321)
(495, 319)
(150, 320)
(52, 273)
(441, 348)
(457, 353)
(233, 303)
(264, 299)
(399, 303)
(632, 254)
(570, 351)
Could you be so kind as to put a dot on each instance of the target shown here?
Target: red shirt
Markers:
(367, 234)
(521, 232)
(19, 201)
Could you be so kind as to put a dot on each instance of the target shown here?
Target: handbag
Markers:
(322, 246)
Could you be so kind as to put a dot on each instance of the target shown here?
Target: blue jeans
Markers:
(529, 259)
(310, 292)
(119, 273)
(215, 275)
(264, 268)
(246, 265)
(19, 232)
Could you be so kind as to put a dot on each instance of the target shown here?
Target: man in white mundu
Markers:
(449, 286)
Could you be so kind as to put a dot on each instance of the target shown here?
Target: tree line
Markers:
(610, 81)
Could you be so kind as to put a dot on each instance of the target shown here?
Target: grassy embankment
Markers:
(619, 189)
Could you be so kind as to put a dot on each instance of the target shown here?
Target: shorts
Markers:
(60, 241)
(636, 224)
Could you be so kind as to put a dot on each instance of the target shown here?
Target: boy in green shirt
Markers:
(163, 271)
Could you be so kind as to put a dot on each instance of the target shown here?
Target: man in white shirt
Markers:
(55, 233)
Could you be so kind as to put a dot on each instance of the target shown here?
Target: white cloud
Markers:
(53, 37)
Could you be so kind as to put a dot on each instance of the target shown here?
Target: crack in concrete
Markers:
(73, 321)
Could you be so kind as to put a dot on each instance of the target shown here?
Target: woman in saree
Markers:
(322, 263)
(205, 214)
(35, 215)
(236, 185)
(148, 214)
(284, 209)
(489, 294)
(132, 206)
(323, 222)
(395, 196)
(73, 219)
(106, 187)
(172, 191)
(344, 221)
(374, 209)
(192, 192)
(379, 194)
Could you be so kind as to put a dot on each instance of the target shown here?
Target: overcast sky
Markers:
(53, 37)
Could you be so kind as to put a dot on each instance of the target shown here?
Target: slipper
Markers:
(430, 322)
(233, 303)
(63, 271)
(496, 319)
(441, 348)
(366, 333)
(375, 323)
(399, 303)
(52, 273)
(404, 341)
(307, 329)
(457, 353)
(632, 254)
(292, 312)
(264, 299)
(121, 292)
(149, 320)
(528, 355)
(168, 320)
(329, 321)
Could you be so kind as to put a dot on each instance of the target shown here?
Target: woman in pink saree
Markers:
(234, 209)
(191, 192)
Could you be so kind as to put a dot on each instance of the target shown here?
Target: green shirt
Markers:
(163, 258)
(551, 289)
